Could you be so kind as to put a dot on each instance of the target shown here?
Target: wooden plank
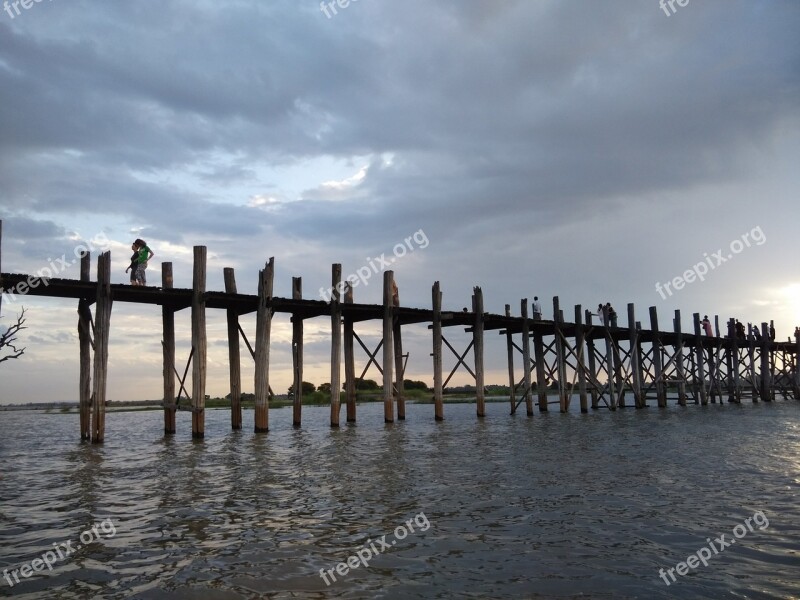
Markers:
(297, 355)
(477, 336)
(336, 343)
(766, 370)
(541, 377)
(700, 374)
(561, 358)
(85, 349)
(388, 346)
(580, 342)
(512, 380)
(610, 367)
(199, 342)
(526, 357)
(591, 351)
(679, 367)
(234, 357)
(102, 319)
(266, 278)
(635, 358)
(661, 389)
(168, 352)
(349, 359)
(437, 352)
(398, 354)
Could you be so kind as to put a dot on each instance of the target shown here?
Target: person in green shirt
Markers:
(143, 254)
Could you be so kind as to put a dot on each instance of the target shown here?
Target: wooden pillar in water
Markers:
(580, 363)
(234, 363)
(526, 358)
(636, 369)
(297, 355)
(512, 383)
(679, 367)
(610, 367)
(541, 377)
(590, 350)
(336, 343)
(797, 364)
(437, 352)
(766, 371)
(700, 372)
(477, 337)
(398, 355)
(733, 360)
(266, 279)
(85, 344)
(558, 318)
(199, 343)
(661, 389)
(168, 352)
(102, 320)
(388, 346)
(349, 358)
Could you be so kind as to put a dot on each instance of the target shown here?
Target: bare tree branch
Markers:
(8, 339)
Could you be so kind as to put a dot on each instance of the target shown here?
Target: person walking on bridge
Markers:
(144, 254)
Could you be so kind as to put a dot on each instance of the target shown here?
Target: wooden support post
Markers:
(512, 383)
(526, 358)
(700, 373)
(561, 367)
(388, 346)
(580, 343)
(297, 355)
(336, 343)
(1, 271)
(85, 343)
(199, 343)
(610, 367)
(661, 389)
(233, 354)
(735, 386)
(398, 355)
(713, 365)
(592, 364)
(349, 359)
(679, 368)
(437, 352)
(797, 363)
(477, 337)
(541, 376)
(766, 371)
(266, 279)
(102, 320)
(168, 352)
(636, 372)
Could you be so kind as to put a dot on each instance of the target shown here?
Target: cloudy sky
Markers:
(584, 149)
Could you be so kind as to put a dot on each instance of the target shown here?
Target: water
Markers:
(554, 506)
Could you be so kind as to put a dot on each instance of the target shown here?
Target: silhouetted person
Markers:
(707, 327)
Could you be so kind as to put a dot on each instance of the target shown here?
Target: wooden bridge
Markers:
(604, 366)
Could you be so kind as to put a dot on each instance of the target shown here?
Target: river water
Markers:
(553, 506)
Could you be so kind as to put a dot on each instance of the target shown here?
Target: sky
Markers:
(591, 151)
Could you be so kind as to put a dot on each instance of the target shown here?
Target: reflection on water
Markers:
(554, 506)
